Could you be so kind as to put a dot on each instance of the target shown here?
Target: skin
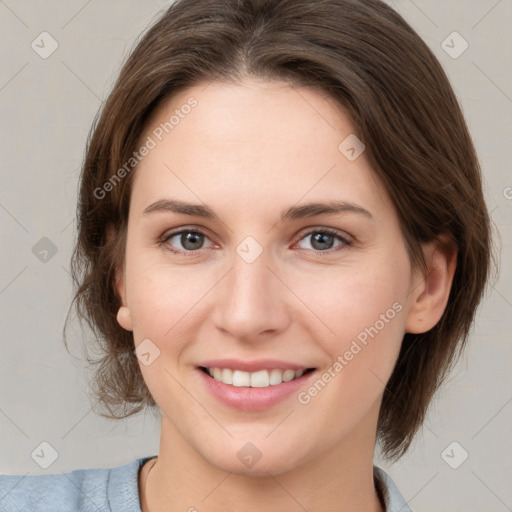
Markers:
(249, 151)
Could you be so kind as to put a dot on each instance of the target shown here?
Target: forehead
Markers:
(254, 112)
(253, 143)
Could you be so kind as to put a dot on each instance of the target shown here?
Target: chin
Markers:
(246, 459)
(262, 468)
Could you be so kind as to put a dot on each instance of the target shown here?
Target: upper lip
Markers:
(252, 366)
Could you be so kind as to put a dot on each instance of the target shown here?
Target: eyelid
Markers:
(331, 231)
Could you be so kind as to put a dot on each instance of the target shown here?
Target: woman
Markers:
(240, 138)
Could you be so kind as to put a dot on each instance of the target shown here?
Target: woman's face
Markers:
(248, 281)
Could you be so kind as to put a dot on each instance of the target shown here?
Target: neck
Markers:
(338, 481)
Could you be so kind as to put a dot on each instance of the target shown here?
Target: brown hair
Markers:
(364, 55)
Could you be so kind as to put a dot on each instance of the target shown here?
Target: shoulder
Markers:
(80, 490)
(387, 488)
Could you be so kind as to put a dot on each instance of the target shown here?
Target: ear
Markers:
(430, 290)
(124, 317)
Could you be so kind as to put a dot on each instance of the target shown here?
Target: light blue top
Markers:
(113, 490)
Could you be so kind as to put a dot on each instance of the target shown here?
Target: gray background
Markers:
(47, 106)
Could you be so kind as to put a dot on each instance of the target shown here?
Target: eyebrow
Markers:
(293, 212)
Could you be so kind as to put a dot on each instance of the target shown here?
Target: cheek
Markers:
(167, 304)
(365, 311)
(164, 307)
(350, 300)
(362, 316)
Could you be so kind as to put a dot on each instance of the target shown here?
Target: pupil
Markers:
(189, 238)
(322, 237)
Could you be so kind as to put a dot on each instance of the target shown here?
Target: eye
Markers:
(190, 240)
(323, 240)
(193, 240)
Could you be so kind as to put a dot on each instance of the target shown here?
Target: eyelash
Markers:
(324, 231)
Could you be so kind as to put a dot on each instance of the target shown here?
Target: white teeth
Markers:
(227, 376)
(259, 379)
(288, 375)
(241, 378)
(276, 377)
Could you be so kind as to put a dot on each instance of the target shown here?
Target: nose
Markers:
(251, 300)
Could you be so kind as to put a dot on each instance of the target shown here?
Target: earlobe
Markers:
(124, 318)
(430, 296)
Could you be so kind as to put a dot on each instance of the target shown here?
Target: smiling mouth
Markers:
(259, 379)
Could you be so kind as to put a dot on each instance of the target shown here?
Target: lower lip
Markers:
(252, 399)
